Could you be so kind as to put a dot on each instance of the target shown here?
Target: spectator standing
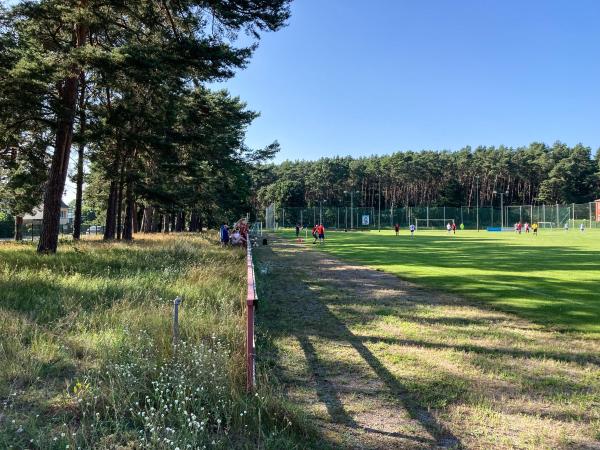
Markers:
(224, 234)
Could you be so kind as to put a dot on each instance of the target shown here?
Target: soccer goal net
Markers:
(546, 224)
(432, 224)
(270, 219)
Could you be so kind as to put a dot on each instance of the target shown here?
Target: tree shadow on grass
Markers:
(304, 315)
(583, 359)
(327, 393)
(567, 304)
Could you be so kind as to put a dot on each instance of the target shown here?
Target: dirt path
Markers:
(359, 350)
(366, 407)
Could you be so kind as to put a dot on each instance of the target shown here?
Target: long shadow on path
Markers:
(293, 305)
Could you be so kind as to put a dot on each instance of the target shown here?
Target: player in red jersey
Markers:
(321, 233)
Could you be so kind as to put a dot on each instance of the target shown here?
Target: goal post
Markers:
(270, 219)
(546, 225)
(432, 224)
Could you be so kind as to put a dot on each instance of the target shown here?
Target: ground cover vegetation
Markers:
(537, 173)
(379, 362)
(125, 85)
(86, 355)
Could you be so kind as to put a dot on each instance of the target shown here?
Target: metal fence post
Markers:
(251, 299)
(531, 213)
(520, 214)
(176, 304)
(544, 212)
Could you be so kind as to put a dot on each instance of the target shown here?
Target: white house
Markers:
(39, 211)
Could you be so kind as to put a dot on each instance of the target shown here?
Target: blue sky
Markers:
(359, 78)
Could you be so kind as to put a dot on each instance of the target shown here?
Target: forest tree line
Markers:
(116, 94)
(538, 173)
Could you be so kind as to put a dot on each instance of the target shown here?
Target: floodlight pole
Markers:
(501, 209)
(379, 207)
(351, 210)
(321, 211)
(501, 194)
(478, 203)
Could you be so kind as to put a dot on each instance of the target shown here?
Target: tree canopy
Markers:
(536, 173)
(127, 82)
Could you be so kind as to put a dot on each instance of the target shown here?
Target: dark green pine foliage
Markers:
(140, 59)
(536, 173)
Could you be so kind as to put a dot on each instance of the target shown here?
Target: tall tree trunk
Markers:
(172, 218)
(111, 210)
(136, 217)
(77, 220)
(18, 228)
(147, 225)
(79, 181)
(194, 221)
(165, 223)
(120, 202)
(180, 221)
(129, 212)
(156, 220)
(67, 95)
(58, 169)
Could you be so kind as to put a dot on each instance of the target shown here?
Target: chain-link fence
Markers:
(430, 217)
(31, 229)
(7, 227)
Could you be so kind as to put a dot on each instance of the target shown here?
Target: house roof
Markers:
(37, 212)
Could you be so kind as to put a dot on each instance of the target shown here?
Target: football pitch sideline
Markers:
(552, 279)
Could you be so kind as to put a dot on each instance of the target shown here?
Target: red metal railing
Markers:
(251, 299)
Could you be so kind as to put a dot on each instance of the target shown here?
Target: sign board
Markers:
(365, 219)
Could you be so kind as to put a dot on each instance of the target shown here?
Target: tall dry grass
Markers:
(86, 354)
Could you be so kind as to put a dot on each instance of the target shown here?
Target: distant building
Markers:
(39, 212)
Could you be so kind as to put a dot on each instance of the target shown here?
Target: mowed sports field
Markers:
(492, 342)
(552, 279)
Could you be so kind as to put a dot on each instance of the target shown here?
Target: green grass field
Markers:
(382, 363)
(552, 279)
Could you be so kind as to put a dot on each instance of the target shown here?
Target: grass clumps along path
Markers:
(379, 362)
(86, 355)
